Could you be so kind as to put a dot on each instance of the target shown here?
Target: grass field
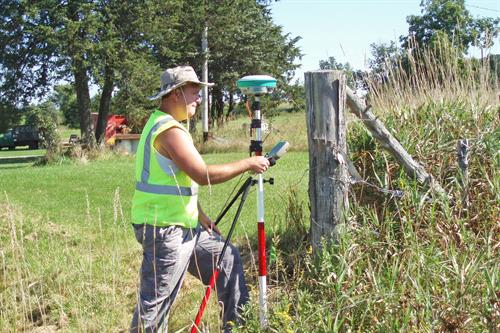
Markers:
(235, 135)
(19, 158)
(69, 255)
(22, 151)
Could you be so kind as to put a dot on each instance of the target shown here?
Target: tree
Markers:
(438, 38)
(355, 78)
(77, 40)
(44, 117)
(9, 116)
(295, 94)
(331, 63)
(484, 30)
(384, 57)
(45, 41)
(136, 79)
(27, 65)
(118, 45)
(242, 40)
(448, 18)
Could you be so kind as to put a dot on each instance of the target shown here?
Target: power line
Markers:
(484, 8)
(347, 2)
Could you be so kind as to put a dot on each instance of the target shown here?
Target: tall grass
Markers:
(57, 277)
(414, 273)
(440, 73)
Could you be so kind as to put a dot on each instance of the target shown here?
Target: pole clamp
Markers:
(270, 181)
(255, 146)
(256, 105)
(256, 123)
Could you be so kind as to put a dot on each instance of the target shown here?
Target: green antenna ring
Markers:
(256, 84)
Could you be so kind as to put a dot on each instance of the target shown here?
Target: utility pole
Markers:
(204, 50)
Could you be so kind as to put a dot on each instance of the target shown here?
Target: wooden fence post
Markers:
(326, 131)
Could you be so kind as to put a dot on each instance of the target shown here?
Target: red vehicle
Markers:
(116, 124)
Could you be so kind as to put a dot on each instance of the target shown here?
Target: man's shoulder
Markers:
(171, 125)
(158, 119)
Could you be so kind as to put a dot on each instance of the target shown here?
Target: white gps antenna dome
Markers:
(256, 84)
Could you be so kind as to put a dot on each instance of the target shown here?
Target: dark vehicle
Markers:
(26, 135)
(6, 140)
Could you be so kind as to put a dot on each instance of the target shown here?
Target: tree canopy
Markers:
(451, 19)
(445, 30)
(121, 47)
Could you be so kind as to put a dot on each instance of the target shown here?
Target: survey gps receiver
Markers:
(256, 84)
(278, 150)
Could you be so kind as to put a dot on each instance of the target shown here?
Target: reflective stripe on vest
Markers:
(143, 185)
(166, 189)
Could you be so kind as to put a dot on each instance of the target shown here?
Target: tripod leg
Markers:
(246, 184)
(208, 291)
(215, 275)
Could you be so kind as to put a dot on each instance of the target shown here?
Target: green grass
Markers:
(63, 245)
(19, 158)
(235, 135)
(22, 152)
(69, 258)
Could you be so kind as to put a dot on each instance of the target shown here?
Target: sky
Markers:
(345, 29)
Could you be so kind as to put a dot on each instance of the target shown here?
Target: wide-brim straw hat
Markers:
(174, 78)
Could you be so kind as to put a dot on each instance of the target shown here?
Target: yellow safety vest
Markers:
(164, 195)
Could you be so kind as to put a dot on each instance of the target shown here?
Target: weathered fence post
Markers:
(326, 129)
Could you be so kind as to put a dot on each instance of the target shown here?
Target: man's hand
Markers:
(209, 226)
(258, 164)
(206, 222)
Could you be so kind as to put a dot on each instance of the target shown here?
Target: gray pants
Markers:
(167, 253)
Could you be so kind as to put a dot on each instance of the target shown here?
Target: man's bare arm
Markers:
(175, 144)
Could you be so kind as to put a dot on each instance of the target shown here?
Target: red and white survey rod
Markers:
(261, 232)
(255, 147)
(278, 150)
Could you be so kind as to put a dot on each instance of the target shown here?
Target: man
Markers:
(166, 214)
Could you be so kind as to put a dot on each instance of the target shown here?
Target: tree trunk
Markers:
(326, 131)
(213, 109)
(218, 106)
(104, 105)
(220, 109)
(79, 69)
(230, 107)
(83, 101)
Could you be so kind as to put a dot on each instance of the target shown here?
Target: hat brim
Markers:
(169, 89)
